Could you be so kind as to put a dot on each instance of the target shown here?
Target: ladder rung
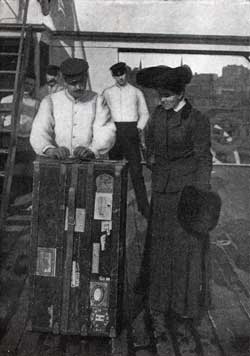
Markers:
(2, 173)
(4, 130)
(7, 71)
(6, 90)
(9, 54)
(4, 151)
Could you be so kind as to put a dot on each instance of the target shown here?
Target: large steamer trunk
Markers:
(78, 247)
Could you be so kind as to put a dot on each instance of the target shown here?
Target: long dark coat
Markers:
(178, 267)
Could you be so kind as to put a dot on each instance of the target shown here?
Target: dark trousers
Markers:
(127, 146)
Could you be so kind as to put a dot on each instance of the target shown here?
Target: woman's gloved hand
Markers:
(58, 152)
(84, 153)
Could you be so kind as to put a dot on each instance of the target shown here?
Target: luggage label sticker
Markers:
(80, 215)
(46, 262)
(75, 276)
(104, 183)
(95, 258)
(99, 293)
(103, 206)
(99, 318)
(103, 242)
(106, 226)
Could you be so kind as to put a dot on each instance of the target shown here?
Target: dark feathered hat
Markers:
(165, 78)
(198, 210)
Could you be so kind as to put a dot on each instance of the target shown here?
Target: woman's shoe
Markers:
(163, 345)
(162, 340)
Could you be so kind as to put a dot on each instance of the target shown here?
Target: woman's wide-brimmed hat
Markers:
(198, 210)
(165, 78)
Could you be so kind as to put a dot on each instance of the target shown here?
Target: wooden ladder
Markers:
(8, 154)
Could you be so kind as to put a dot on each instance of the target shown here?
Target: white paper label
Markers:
(75, 277)
(80, 220)
(103, 206)
(46, 262)
(95, 257)
(106, 226)
(103, 242)
(80, 215)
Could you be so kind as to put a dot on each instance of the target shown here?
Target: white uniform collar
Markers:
(180, 105)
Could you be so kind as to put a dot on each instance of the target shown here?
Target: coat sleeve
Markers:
(104, 130)
(150, 135)
(42, 132)
(202, 152)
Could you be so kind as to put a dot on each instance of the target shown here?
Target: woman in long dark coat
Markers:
(178, 151)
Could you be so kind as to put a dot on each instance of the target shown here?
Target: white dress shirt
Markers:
(63, 121)
(127, 104)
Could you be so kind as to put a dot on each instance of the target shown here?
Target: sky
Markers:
(198, 63)
(203, 17)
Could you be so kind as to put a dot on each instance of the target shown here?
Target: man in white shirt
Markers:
(73, 122)
(130, 114)
(28, 110)
(25, 156)
(52, 84)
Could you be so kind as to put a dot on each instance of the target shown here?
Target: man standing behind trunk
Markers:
(73, 122)
(52, 84)
(130, 114)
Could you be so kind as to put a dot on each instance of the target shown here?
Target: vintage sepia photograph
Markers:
(124, 177)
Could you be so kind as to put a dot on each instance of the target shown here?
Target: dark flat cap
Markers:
(164, 77)
(198, 210)
(74, 67)
(30, 75)
(118, 69)
(52, 69)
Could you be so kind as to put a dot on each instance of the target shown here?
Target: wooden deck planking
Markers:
(16, 326)
(11, 283)
(227, 324)
(231, 322)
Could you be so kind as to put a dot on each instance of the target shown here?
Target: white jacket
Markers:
(63, 121)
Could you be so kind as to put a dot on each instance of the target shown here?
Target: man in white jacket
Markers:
(73, 122)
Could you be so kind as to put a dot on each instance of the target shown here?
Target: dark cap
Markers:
(74, 68)
(30, 75)
(118, 69)
(52, 70)
(165, 78)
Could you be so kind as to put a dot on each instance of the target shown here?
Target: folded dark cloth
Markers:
(198, 210)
